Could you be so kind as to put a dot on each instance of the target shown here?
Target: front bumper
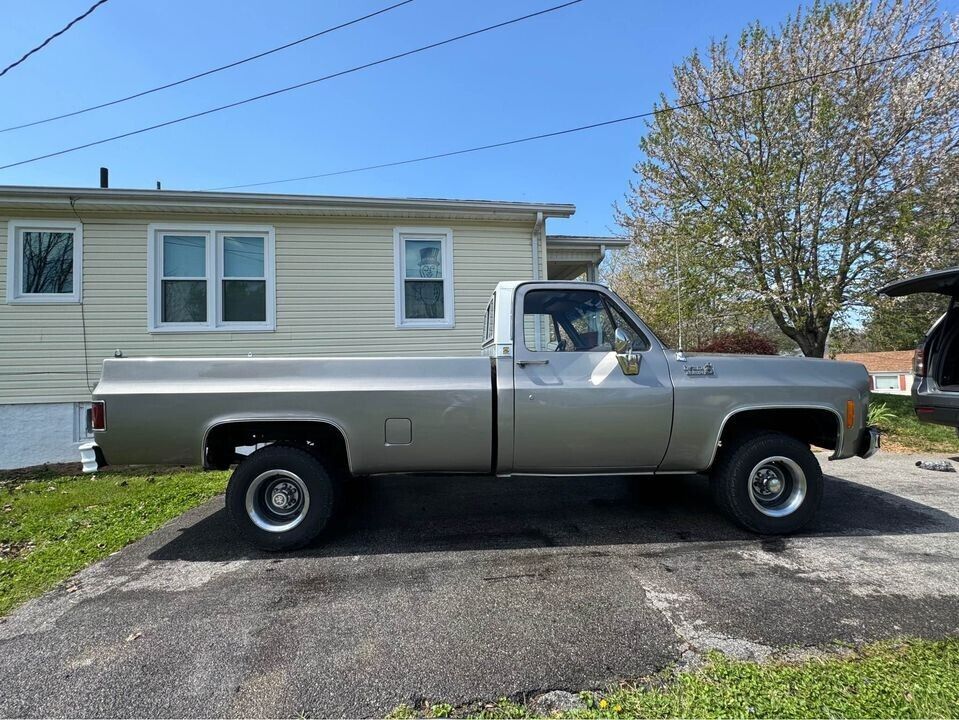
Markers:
(869, 442)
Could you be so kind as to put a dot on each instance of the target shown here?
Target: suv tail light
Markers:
(919, 360)
(98, 415)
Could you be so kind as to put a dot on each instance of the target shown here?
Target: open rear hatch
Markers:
(944, 282)
(936, 364)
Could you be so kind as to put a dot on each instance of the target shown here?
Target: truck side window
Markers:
(488, 323)
(574, 321)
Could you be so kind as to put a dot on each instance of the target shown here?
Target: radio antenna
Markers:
(679, 296)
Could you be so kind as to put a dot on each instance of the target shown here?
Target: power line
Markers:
(55, 35)
(603, 123)
(294, 87)
(206, 72)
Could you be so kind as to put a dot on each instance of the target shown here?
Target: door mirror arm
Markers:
(628, 360)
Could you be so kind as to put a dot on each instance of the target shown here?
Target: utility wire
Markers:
(206, 72)
(294, 87)
(55, 35)
(604, 123)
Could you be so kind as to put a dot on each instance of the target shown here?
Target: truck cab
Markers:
(576, 346)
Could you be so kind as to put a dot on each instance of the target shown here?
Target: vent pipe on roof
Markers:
(104, 177)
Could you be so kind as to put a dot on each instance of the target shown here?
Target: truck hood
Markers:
(944, 282)
(793, 369)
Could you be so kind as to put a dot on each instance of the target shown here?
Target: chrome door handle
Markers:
(524, 363)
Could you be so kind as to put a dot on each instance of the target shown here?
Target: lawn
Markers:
(902, 431)
(904, 679)
(52, 524)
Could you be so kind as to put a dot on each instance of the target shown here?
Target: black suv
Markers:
(935, 390)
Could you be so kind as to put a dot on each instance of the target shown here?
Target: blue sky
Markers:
(596, 60)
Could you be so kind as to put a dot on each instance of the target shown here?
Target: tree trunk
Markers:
(811, 338)
(812, 343)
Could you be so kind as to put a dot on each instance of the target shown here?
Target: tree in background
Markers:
(797, 201)
(900, 323)
(743, 342)
(704, 304)
(645, 276)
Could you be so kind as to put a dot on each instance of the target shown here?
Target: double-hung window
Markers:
(424, 277)
(211, 277)
(44, 260)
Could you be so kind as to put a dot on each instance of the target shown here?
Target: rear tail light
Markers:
(98, 415)
(919, 360)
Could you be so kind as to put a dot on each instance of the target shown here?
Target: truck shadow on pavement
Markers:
(418, 514)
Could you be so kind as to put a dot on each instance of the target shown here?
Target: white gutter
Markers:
(602, 257)
(536, 239)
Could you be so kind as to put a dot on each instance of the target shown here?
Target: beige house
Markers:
(87, 274)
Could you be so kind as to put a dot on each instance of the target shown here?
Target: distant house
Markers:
(86, 274)
(889, 372)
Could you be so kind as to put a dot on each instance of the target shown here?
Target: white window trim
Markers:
(214, 276)
(14, 296)
(445, 236)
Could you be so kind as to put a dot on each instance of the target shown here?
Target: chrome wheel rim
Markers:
(777, 486)
(277, 500)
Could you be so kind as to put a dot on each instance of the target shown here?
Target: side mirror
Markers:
(628, 361)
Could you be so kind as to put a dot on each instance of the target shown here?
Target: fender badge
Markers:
(706, 369)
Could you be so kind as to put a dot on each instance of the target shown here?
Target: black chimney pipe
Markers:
(104, 177)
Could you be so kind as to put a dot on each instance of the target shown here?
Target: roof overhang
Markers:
(226, 203)
(586, 242)
(570, 256)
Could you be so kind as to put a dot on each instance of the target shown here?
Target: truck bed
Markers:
(378, 404)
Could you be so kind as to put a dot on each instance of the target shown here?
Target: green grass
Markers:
(902, 679)
(53, 525)
(903, 432)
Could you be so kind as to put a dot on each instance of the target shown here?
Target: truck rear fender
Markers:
(222, 437)
(817, 425)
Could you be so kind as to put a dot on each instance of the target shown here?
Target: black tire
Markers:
(281, 475)
(790, 465)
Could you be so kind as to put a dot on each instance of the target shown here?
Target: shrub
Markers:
(881, 414)
(740, 342)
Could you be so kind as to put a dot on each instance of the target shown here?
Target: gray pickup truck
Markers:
(570, 382)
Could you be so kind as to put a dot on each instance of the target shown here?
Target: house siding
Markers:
(334, 296)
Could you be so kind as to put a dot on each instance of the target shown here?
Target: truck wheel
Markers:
(281, 497)
(769, 483)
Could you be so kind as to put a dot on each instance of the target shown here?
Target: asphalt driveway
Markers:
(461, 588)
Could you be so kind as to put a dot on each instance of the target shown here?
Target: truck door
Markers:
(574, 408)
